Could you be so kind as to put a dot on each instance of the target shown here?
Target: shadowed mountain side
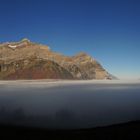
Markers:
(28, 60)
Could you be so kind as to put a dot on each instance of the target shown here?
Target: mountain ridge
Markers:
(29, 60)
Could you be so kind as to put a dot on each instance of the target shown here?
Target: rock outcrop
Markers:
(28, 60)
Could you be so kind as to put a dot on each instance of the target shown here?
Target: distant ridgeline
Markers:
(28, 60)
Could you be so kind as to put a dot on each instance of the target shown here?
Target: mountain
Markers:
(29, 60)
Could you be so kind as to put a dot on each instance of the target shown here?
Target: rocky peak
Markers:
(23, 43)
(82, 58)
(25, 40)
(13, 45)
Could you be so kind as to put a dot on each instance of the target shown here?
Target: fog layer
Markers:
(69, 104)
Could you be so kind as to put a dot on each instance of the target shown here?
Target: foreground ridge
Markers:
(127, 131)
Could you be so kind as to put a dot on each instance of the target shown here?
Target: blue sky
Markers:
(108, 30)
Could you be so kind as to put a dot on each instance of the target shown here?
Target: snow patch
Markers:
(12, 46)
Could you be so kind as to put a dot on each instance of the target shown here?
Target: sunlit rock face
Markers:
(29, 60)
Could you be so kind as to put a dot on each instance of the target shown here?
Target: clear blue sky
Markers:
(108, 30)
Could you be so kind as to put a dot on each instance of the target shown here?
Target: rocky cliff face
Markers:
(28, 60)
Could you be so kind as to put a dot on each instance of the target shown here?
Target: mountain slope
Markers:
(34, 69)
(28, 60)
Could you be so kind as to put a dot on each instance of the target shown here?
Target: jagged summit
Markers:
(28, 60)
(13, 45)
(25, 40)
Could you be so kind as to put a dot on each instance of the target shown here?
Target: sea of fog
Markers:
(69, 104)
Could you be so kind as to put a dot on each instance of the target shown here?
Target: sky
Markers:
(108, 30)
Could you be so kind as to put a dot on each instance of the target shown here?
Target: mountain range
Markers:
(29, 60)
